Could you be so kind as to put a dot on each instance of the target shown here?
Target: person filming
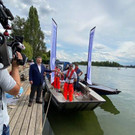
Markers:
(8, 84)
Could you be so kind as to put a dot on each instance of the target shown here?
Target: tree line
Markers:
(33, 35)
(102, 63)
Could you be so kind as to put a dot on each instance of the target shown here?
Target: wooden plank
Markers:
(16, 116)
(14, 112)
(9, 109)
(11, 113)
(38, 130)
(26, 121)
(24, 85)
(32, 125)
(20, 120)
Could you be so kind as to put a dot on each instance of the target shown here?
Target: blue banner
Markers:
(90, 55)
(53, 48)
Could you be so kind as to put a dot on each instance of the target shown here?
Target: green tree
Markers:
(102, 63)
(28, 50)
(44, 58)
(33, 33)
(18, 26)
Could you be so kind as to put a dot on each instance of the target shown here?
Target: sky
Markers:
(114, 38)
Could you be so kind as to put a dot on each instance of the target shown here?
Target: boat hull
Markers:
(89, 102)
(75, 106)
(102, 90)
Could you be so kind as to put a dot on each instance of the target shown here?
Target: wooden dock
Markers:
(25, 120)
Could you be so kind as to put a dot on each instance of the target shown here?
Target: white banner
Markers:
(53, 48)
(90, 55)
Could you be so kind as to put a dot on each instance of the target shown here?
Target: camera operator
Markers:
(10, 84)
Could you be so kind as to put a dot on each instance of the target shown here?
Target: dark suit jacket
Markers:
(35, 75)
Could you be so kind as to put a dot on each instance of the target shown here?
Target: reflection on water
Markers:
(109, 107)
(75, 123)
(79, 123)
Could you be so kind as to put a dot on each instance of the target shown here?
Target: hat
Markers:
(71, 65)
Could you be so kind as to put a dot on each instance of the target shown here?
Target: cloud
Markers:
(59, 45)
(125, 53)
(45, 9)
(47, 33)
(99, 47)
(62, 55)
(66, 56)
(114, 20)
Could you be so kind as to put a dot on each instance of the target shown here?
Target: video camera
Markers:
(7, 50)
(5, 15)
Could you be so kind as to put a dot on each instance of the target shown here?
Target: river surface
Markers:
(115, 117)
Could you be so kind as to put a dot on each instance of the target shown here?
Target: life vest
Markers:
(70, 74)
(56, 73)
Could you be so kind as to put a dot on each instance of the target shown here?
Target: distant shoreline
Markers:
(105, 64)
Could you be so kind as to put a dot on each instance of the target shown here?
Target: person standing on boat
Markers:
(56, 83)
(36, 77)
(71, 77)
(8, 84)
(79, 73)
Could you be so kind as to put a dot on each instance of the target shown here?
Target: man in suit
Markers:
(36, 78)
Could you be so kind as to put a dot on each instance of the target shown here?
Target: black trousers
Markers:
(34, 88)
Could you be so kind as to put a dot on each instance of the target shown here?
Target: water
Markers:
(115, 117)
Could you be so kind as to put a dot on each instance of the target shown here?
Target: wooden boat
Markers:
(101, 89)
(88, 100)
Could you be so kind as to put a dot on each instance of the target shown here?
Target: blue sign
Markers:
(89, 55)
(53, 48)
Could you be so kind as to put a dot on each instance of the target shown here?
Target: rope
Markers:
(47, 109)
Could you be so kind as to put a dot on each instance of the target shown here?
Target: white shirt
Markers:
(6, 83)
(74, 76)
(39, 67)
